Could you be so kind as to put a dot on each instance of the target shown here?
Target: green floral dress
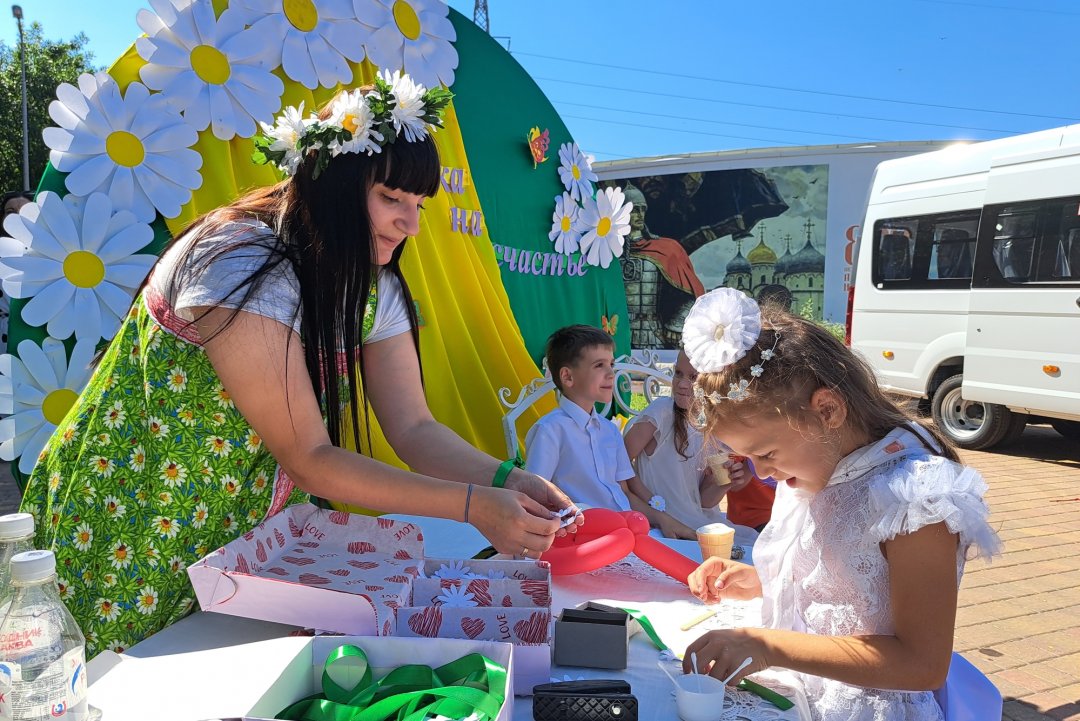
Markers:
(151, 469)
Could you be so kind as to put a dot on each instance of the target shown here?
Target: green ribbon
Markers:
(471, 684)
(647, 627)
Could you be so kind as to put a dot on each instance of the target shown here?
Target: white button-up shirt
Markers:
(582, 453)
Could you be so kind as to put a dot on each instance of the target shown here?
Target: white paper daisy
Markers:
(411, 35)
(454, 570)
(312, 40)
(575, 172)
(455, 596)
(79, 263)
(211, 69)
(563, 233)
(133, 147)
(37, 388)
(604, 223)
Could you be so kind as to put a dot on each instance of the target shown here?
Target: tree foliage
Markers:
(48, 63)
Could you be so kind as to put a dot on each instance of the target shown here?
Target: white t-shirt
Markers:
(215, 284)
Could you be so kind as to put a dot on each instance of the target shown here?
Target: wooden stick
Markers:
(698, 619)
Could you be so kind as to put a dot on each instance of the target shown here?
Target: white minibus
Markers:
(966, 288)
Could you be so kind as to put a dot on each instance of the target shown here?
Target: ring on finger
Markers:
(524, 551)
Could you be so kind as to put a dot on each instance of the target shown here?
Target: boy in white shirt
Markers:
(577, 449)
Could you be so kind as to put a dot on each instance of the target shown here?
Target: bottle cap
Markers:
(30, 566)
(16, 525)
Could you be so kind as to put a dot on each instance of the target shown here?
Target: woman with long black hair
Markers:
(264, 338)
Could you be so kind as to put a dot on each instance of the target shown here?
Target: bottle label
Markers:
(55, 693)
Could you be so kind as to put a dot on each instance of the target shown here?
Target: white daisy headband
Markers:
(720, 329)
(359, 122)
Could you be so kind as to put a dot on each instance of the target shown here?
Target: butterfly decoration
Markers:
(610, 325)
(539, 142)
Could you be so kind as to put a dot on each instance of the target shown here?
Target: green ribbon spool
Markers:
(471, 684)
(647, 627)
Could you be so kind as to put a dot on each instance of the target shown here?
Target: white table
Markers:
(189, 668)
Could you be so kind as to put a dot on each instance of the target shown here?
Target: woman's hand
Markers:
(720, 652)
(547, 494)
(717, 579)
(514, 523)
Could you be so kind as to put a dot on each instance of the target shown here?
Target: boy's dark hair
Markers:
(565, 346)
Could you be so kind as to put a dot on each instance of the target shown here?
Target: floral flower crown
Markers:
(720, 329)
(359, 122)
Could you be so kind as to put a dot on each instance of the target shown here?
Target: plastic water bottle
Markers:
(16, 536)
(42, 650)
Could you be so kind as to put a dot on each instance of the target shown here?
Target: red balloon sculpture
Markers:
(608, 536)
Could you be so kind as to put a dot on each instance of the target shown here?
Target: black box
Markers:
(594, 636)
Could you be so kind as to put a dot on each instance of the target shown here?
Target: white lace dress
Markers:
(822, 567)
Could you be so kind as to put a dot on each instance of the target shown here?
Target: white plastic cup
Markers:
(699, 697)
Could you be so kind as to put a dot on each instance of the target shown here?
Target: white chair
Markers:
(646, 369)
(968, 695)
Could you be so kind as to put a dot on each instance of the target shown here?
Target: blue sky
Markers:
(639, 78)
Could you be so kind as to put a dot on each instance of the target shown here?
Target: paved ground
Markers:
(1019, 618)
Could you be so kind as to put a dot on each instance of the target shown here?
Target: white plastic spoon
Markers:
(740, 667)
(693, 665)
(666, 672)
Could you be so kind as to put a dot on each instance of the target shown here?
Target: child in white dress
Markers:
(668, 453)
(859, 567)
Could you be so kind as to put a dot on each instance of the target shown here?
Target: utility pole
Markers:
(16, 12)
(480, 15)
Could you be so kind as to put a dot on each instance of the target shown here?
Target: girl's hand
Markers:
(546, 494)
(717, 579)
(514, 523)
(739, 473)
(673, 528)
(720, 652)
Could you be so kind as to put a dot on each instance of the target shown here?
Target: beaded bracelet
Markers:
(504, 470)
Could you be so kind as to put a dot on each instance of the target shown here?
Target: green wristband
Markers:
(504, 470)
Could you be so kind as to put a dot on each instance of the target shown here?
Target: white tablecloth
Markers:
(184, 658)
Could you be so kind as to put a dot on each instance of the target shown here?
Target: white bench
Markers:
(644, 369)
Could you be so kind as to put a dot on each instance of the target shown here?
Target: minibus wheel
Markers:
(968, 424)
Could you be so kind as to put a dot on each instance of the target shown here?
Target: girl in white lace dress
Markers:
(860, 566)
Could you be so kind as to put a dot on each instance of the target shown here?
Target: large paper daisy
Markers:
(210, 69)
(37, 388)
(76, 259)
(604, 223)
(411, 35)
(312, 40)
(133, 147)
(563, 233)
(575, 172)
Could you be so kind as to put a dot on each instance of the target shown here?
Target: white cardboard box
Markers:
(314, 568)
(258, 680)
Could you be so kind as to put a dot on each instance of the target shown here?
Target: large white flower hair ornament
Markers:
(77, 260)
(211, 69)
(564, 233)
(133, 147)
(312, 40)
(412, 35)
(575, 172)
(721, 328)
(604, 223)
(37, 388)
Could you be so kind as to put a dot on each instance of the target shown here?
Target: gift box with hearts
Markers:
(489, 600)
(315, 568)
